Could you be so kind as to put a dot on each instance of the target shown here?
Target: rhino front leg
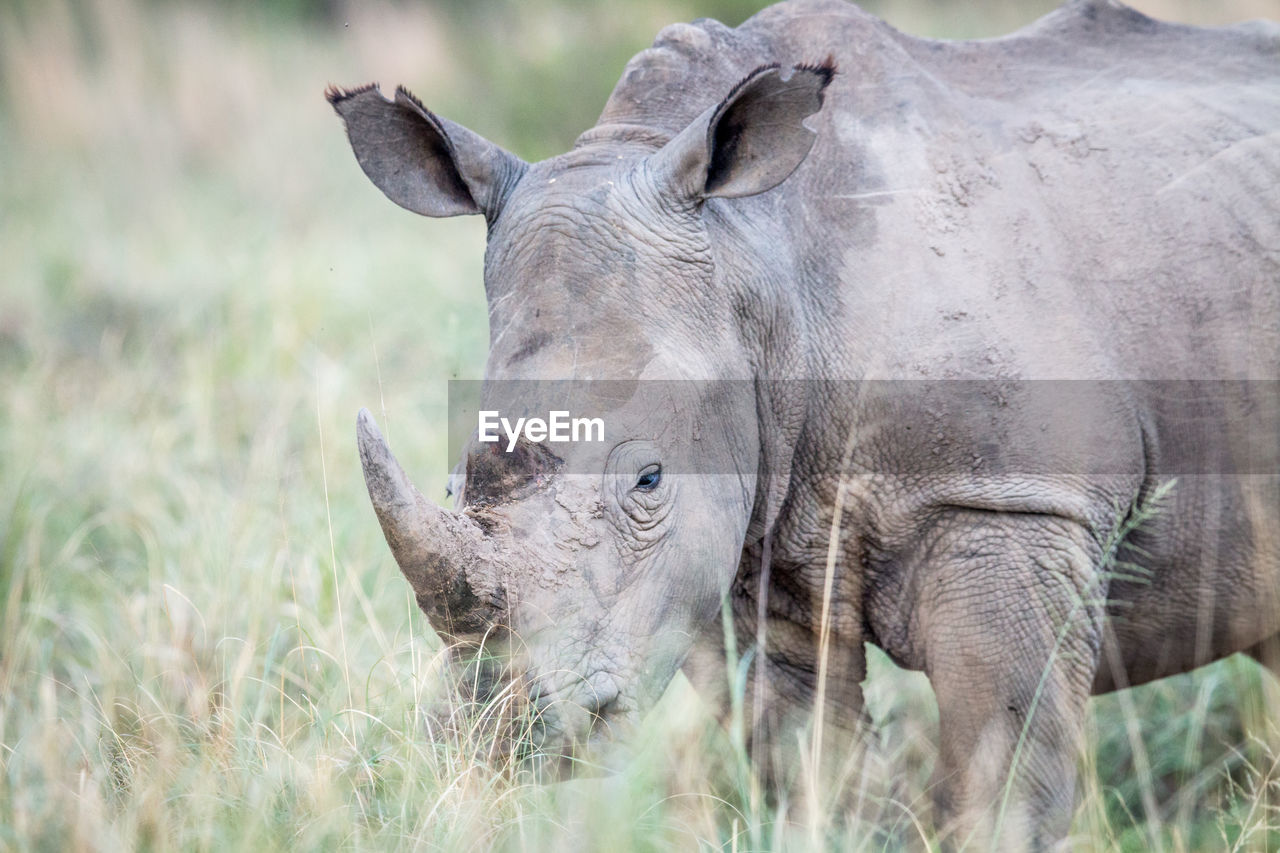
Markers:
(775, 694)
(1008, 621)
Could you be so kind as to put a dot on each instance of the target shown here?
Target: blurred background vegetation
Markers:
(203, 641)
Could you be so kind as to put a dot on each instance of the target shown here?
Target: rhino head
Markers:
(593, 567)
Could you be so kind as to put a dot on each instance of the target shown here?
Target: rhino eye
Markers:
(649, 479)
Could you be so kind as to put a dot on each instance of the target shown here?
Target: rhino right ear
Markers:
(752, 141)
(422, 162)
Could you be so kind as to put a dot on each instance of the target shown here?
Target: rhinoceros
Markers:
(967, 350)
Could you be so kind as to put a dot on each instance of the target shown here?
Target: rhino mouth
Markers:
(583, 711)
(557, 722)
(598, 701)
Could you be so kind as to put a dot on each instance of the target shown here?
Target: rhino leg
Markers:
(1010, 643)
(776, 703)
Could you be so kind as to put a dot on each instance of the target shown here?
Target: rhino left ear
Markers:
(751, 141)
(421, 161)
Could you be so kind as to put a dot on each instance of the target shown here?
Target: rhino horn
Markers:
(445, 556)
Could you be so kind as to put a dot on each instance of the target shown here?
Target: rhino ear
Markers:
(422, 162)
(752, 140)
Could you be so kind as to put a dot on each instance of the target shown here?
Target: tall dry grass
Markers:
(203, 642)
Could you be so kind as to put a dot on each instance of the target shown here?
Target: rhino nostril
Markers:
(595, 702)
(601, 704)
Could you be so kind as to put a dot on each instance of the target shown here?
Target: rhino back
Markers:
(1092, 196)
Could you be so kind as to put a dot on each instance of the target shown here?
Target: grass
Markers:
(203, 640)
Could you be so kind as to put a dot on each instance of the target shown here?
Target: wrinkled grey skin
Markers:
(1091, 198)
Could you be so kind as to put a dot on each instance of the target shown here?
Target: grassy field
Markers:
(204, 642)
